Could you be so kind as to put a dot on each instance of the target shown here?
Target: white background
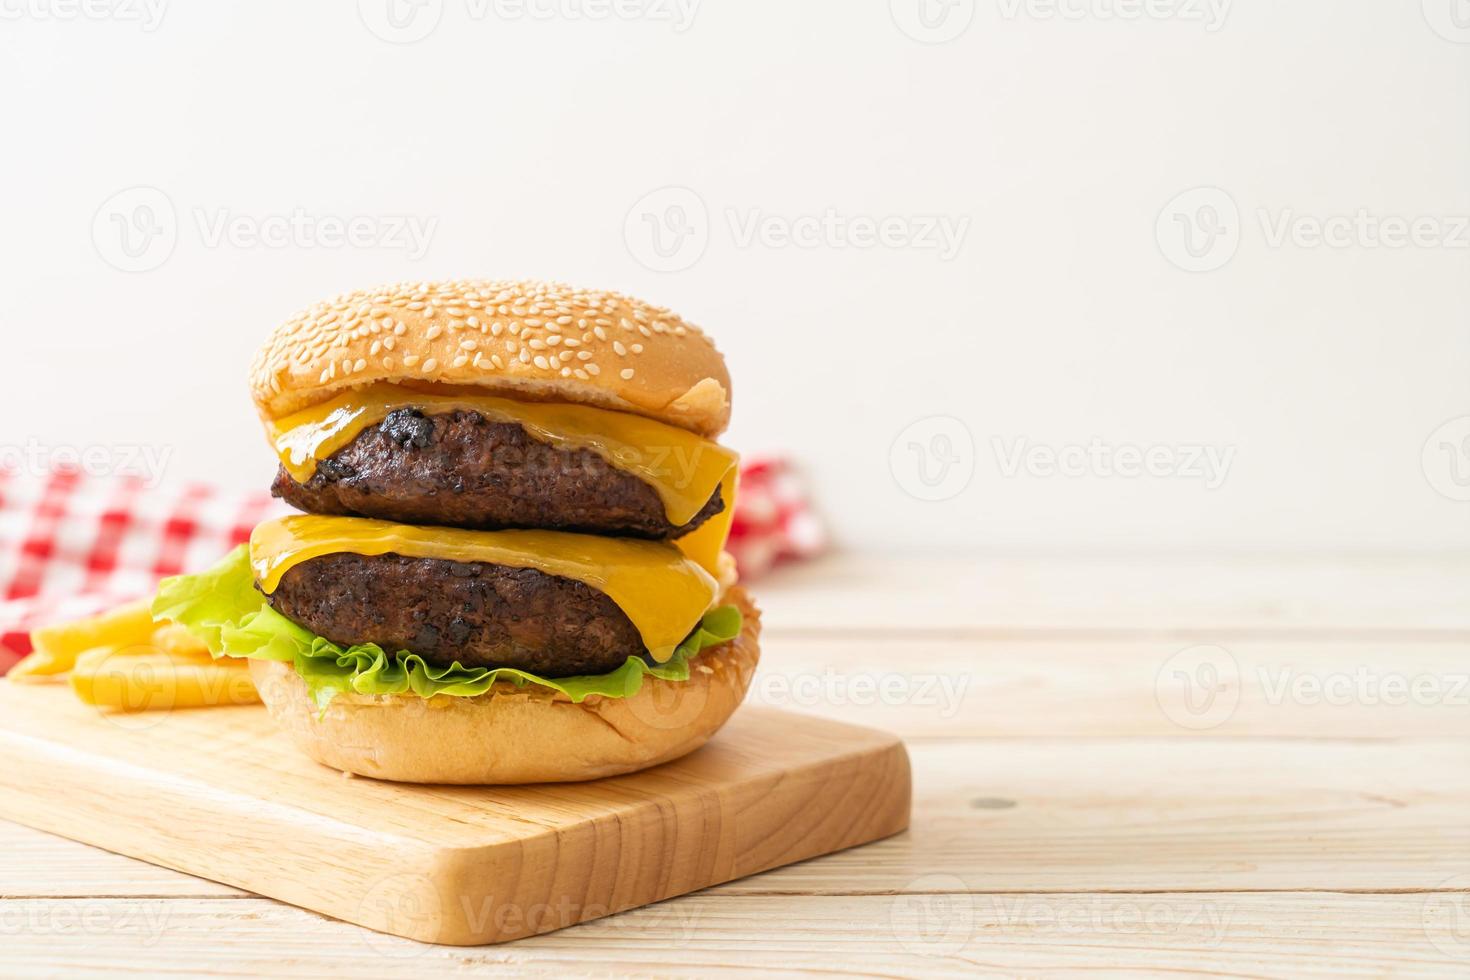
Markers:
(1059, 141)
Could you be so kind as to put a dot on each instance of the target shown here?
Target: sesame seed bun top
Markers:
(526, 339)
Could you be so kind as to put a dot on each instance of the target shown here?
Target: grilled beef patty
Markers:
(462, 470)
(476, 613)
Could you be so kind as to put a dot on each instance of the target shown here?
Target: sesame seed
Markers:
(556, 323)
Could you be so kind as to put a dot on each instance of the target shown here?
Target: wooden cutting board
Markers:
(218, 792)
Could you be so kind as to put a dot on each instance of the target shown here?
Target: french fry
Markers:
(141, 679)
(123, 660)
(175, 640)
(55, 648)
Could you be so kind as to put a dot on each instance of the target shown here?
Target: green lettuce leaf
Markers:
(223, 608)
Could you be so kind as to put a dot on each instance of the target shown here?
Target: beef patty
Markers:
(479, 614)
(463, 470)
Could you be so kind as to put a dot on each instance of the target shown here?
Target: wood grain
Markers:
(999, 596)
(946, 687)
(713, 933)
(1063, 822)
(1059, 815)
(219, 792)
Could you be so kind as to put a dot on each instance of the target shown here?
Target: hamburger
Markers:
(508, 566)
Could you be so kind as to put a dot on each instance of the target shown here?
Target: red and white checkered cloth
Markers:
(72, 545)
(774, 520)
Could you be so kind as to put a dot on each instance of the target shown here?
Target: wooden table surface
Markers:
(1233, 766)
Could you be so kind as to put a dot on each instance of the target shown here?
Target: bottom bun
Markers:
(517, 735)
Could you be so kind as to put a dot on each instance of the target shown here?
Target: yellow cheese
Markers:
(663, 593)
(705, 543)
(681, 466)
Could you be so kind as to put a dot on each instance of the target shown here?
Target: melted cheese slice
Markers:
(706, 543)
(681, 466)
(661, 591)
